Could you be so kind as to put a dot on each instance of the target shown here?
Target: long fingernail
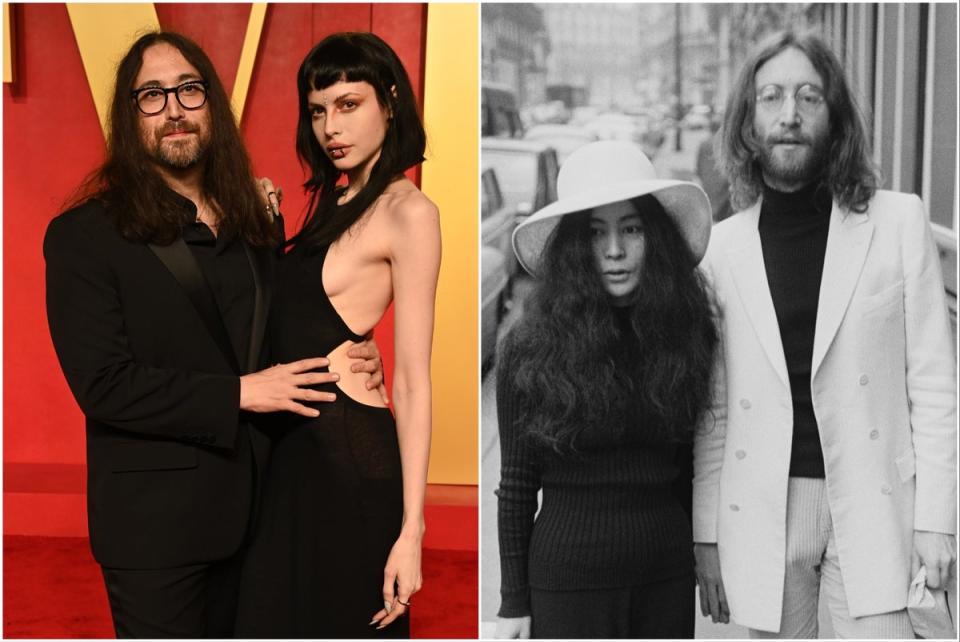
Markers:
(336, 377)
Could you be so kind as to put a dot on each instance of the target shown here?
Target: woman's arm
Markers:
(520, 481)
(415, 266)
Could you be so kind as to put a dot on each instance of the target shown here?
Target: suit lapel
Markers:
(847, 243)
(261, 281)
(750, 277)
(178, 258)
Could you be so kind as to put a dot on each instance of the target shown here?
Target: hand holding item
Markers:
(928, 610)
(938, 553)
(513, 628)
(401, 579)
(713, 600)
(284, 386)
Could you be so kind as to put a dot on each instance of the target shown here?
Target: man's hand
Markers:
(936, 551)
(513, 628)
(368, 360)
(713, 600)
(272, 196)
(282, 387)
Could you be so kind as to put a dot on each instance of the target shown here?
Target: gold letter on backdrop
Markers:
(104, 32)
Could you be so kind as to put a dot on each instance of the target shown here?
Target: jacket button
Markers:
(745, 404)
(734, 508)
(740, 454)
(864, 380)
(885, 489)
(874, 434)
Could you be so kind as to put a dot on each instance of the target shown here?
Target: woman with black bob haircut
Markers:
(337, 546)
(355, 57)
(599, 384)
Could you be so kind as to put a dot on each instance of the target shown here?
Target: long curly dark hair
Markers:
(580, 364)
(354, 57)
(143, 207)
(849, 171)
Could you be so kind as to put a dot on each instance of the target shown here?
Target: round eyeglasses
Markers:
(153, 100)
(807, 98)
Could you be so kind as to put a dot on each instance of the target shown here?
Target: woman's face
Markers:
(350, 126)
(618, 247)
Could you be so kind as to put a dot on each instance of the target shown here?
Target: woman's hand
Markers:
(272, 196)
(513, 628)
(403, 572)
(713, 599)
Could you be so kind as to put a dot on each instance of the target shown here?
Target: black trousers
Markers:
(198, 601)
(663, 610)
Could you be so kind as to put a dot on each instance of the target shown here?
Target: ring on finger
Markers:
(406, 604)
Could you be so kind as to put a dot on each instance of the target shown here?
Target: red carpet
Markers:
(52, 588)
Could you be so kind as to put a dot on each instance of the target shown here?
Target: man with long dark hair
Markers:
(830, 458)
(158, 287)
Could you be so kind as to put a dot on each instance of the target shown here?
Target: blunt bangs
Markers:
(340, 60)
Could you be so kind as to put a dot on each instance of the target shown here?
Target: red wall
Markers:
(52, 139)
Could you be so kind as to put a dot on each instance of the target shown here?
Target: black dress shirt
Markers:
(225, 265)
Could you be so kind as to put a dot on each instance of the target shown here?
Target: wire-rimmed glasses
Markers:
(807, 98)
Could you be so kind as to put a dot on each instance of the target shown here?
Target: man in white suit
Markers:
(830, 456)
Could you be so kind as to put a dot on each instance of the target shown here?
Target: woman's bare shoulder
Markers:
(405, 204)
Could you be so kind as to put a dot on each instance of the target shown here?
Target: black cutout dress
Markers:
(332, 500)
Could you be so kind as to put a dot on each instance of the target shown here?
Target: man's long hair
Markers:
(848, 172)
(143, 207)
(580, 369)
(354, 57)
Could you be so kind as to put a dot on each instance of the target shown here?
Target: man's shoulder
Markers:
(87, 220)
(90, 212)
(732, 228)
(887, 205)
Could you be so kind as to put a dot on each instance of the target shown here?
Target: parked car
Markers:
(526, 171)
(615, 126)
(563, 138)
(499, 113)
(493, 285)
(497, 220)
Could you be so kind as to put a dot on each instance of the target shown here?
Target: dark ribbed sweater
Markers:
(793, 233)
(609, 517)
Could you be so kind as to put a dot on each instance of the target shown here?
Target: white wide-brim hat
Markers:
(607, 172)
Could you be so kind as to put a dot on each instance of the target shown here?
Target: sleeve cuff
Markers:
(514, 603)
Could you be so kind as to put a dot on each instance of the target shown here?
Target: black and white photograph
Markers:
(719, 320)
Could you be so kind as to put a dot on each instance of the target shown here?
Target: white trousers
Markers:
(812, 563)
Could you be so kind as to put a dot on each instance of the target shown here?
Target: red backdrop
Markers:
(52, 139)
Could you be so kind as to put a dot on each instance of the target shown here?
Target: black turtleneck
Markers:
(793, 233)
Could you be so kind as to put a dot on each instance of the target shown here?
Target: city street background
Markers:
(556, 76)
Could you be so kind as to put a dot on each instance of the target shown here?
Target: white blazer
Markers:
(883, 386)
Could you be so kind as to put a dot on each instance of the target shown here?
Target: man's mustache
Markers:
(177, 128)
(787, 139)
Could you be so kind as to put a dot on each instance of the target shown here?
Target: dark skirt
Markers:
(332, 510)
(663, 610)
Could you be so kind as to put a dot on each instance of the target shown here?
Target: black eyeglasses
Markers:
(807, 97)
(153, 100)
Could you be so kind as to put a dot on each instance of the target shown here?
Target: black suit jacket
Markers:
(171, 459)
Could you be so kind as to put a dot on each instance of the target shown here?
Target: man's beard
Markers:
(802, 166)
(182, 153)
